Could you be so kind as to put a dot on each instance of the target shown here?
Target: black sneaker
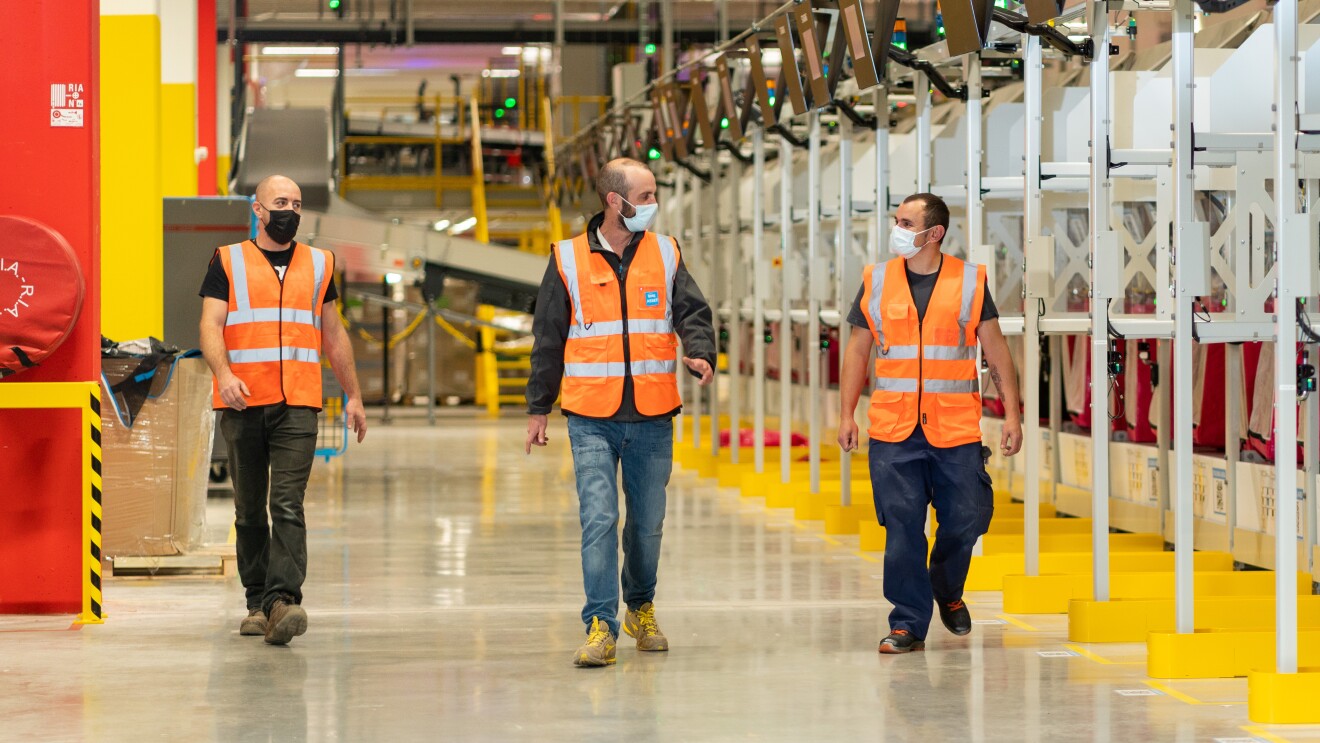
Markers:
(955, 616)
(900, 641)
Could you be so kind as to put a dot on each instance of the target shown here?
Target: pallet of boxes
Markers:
(157, 433)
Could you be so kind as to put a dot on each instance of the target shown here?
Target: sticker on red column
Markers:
(66, 104)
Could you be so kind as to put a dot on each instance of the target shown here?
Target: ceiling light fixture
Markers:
(315, 72)
(299, 51)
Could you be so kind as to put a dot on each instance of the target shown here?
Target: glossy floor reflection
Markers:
(444, 592)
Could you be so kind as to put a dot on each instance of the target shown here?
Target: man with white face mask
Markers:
(924, 313)
(613, 304)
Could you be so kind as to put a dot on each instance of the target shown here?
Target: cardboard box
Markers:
(155, 473)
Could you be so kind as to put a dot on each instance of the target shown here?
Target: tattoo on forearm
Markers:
(994, 376)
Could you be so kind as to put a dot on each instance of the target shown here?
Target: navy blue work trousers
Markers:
(906, 478)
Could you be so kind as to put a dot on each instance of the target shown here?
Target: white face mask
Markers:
(902, 242)
(643, 216)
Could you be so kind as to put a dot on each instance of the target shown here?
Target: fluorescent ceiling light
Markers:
(499, 73)
(511, 51)
(315, 72)
(440, 225)
(299, 51)
(370, 72)
(464, 226)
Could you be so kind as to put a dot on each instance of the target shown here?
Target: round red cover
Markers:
(41, 292)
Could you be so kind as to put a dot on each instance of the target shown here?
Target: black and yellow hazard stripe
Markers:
(92, 612)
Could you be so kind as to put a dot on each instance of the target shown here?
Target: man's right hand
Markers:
(536, 431)
(847, 434)
(233, 392)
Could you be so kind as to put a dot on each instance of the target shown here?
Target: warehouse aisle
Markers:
(444, 592)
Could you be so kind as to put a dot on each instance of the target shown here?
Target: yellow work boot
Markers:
(598, 650)
(641, 625)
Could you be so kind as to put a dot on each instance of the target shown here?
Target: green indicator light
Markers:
(724, 123)
(653, 154)
(510, 102)
(650, 49)
(334, 4)
(499, 113)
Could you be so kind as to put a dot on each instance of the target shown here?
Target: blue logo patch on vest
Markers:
(651, 298)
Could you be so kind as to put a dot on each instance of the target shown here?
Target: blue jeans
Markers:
(907, 477)
(646, 451)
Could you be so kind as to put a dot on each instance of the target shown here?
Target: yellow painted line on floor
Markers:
(1257, 731)
(1170, 691)
(865, 556)
(1017, 623)
(1102, 660)
(233, 534)
(829, 540)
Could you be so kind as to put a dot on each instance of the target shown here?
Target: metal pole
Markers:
(921, 89)
(722, 14)
(693, 250)
(1294, 276)
(1102, 255)
(1184, 185)
(680, 229)
(430, 363)
(386, 331)
(975, 136)
(842, 253)
(1311, 465)
(667, 34)
(556, 54)
(813, 299)
(737, 282)
(410, 26)
(1233, 388)
(759, 280)
(715, 259)
(881, 104)
(785, 305)
(1034, 245)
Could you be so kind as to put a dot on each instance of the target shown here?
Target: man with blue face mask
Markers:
(612, 307)
(924, 313)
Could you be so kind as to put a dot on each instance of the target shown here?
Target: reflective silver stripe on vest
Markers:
(238, 276)
(606, 369)
(938, 386)
(654, 367)
(273, 314)
(318, 272)
(596, 329)
(969, 288)
(950, 353)
(650, 326)
(263, 355)
(669, 255)
(887, 384)
(878, 272)
(568, 264)
(899, 353)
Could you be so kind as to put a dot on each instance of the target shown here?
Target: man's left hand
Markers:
(1011, 440)
(357, 418)
(702, 367)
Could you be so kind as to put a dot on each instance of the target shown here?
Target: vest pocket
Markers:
(957, 417)
(886, 413)
(591, 350)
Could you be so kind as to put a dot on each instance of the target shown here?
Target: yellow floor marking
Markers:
(1170, 691)
(1101, 660)
(866, 557)
(1258, 732)
(233, 534)
(829, 540)
(1017, 623)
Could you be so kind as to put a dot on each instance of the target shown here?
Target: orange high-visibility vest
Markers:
(273, 330)
(925, 371)
(609, 338)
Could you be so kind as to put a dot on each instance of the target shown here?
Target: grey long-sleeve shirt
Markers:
(553, 315)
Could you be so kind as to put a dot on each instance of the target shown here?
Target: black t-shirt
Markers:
(216, 283)
(922, 285)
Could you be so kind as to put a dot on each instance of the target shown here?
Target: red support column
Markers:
(52, 176)
(206, 96)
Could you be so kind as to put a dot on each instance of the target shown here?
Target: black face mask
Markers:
(282, 225)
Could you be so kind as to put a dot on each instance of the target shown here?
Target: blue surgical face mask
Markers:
(643, 216)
